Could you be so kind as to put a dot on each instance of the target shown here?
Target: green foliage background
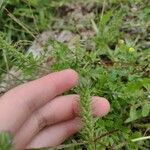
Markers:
(118, 68)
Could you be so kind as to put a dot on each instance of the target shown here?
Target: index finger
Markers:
(19, 103)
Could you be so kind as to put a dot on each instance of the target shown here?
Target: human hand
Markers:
(37, 116)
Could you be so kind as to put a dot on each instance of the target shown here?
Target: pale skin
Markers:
(38, 116)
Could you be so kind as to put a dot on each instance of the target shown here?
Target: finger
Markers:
(18, 104)
(58, 110)
(100, 106)
(55, 135)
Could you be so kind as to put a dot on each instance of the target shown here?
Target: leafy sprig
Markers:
(5, 141)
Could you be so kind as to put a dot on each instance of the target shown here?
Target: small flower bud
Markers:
(131, 49)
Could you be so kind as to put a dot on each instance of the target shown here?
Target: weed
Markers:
(116, 68)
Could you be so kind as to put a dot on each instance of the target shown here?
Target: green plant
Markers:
(120, 80)
(13, 56)
(117, 68)
(5, 141)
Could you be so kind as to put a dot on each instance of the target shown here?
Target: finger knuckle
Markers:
(30, 106)
(41, 120)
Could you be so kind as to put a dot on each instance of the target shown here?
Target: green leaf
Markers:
(133, 115)
(5, 141)
(33, 2)
(1, 2)
(146, 109)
